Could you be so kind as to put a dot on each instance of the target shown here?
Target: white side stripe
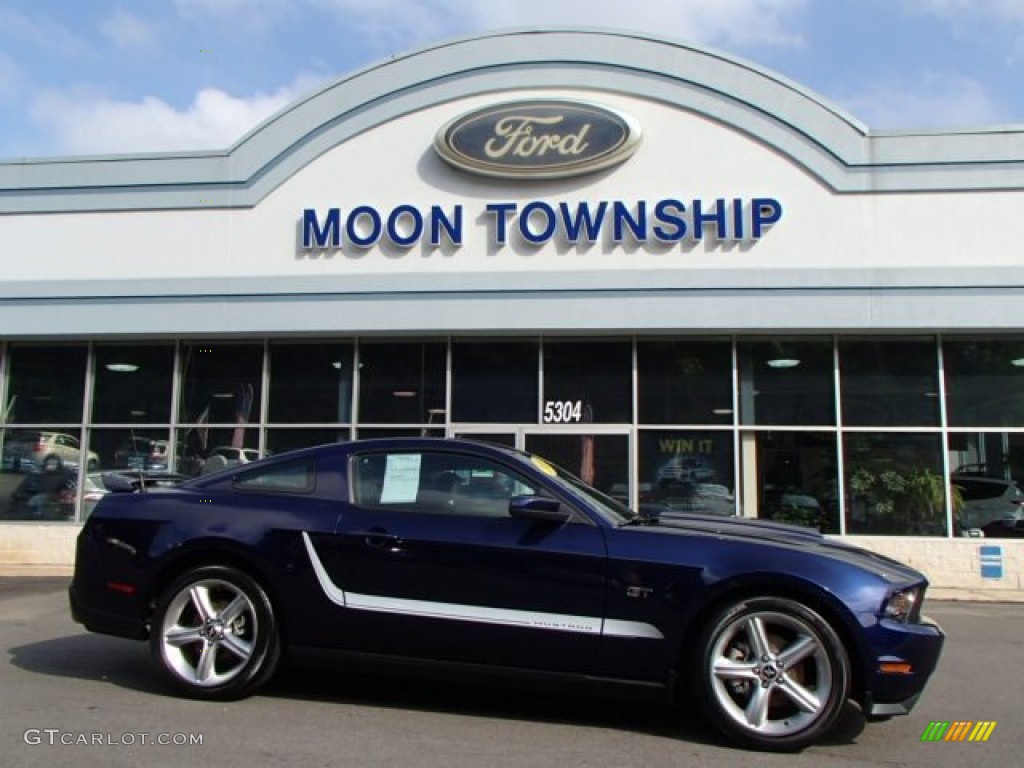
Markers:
(588, 625)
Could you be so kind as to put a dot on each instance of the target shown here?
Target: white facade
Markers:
(883, 234)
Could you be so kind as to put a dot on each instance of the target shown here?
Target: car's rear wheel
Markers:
(773, 673)
(214, 634)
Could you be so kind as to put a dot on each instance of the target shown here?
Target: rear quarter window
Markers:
(290, 477)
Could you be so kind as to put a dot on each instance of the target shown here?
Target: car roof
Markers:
(345, 448)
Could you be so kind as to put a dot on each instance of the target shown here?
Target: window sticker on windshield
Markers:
(401, 478)
(543, 466)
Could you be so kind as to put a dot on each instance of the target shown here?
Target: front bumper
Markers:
(917, 646)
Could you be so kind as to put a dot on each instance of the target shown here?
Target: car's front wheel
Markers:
(773, 673)
(214, 634)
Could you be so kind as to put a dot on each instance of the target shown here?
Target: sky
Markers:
(82, 77)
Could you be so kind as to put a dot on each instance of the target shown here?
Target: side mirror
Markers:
(539, 509)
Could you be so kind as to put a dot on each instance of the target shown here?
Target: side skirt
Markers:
(472, 674)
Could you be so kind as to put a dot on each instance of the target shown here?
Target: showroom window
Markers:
(685, 381)
(889, 382)
(894, 483)
(133, 384)
(310, 383)
(787, 381)
(281, 439)
(688, 471)
(221, 382)
(199, 406)
(203, 450)
(495, 381)
(135, 448)
(402, 382)
(46, 384)
(797, 478)
(984, 382)
(587, 381)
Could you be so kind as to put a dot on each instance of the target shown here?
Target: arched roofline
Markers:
(829, 144)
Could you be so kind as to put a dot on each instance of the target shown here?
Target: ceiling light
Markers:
(783, 362)
(1018, 361)
(122, 367)
(404, 393)
(722, 411)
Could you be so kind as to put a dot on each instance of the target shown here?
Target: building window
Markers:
(133, 384)
(984, 382)
(46, 384)
(797, 478)
(894, 484)
(310, 383)
(495, 381)
(132, 448)
(685, 381)
(203, 450)
(280, 440)
(688, 471)
(402, 382)
(787, 382)
(588, 381)
(221, 383)
(889, 382)
(600, 460)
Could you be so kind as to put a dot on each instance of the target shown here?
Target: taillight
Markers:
(66, 496)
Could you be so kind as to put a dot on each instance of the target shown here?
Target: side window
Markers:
(438, 483)
(291, 477)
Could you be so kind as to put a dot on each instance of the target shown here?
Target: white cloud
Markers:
(128, 31)
(734, 23)
(933, 100)
(87, 123)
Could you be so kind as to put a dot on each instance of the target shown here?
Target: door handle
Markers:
(378, 538)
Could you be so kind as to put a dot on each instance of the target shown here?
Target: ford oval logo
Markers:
(544, 139)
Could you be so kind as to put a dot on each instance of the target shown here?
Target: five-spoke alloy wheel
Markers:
(773, 673)
(214, 634)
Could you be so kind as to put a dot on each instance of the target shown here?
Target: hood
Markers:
(784, 535)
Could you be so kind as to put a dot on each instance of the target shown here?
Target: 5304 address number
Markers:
(563, 411)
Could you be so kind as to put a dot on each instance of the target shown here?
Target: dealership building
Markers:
(683, 277)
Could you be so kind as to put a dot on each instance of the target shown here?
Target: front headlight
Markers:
(903, 605)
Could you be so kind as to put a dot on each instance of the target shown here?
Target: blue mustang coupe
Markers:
(463, 556)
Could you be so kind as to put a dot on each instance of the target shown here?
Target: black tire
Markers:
(214, 634)
(52, 463)
(771, 673)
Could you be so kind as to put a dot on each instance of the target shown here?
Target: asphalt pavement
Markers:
(76, 699)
